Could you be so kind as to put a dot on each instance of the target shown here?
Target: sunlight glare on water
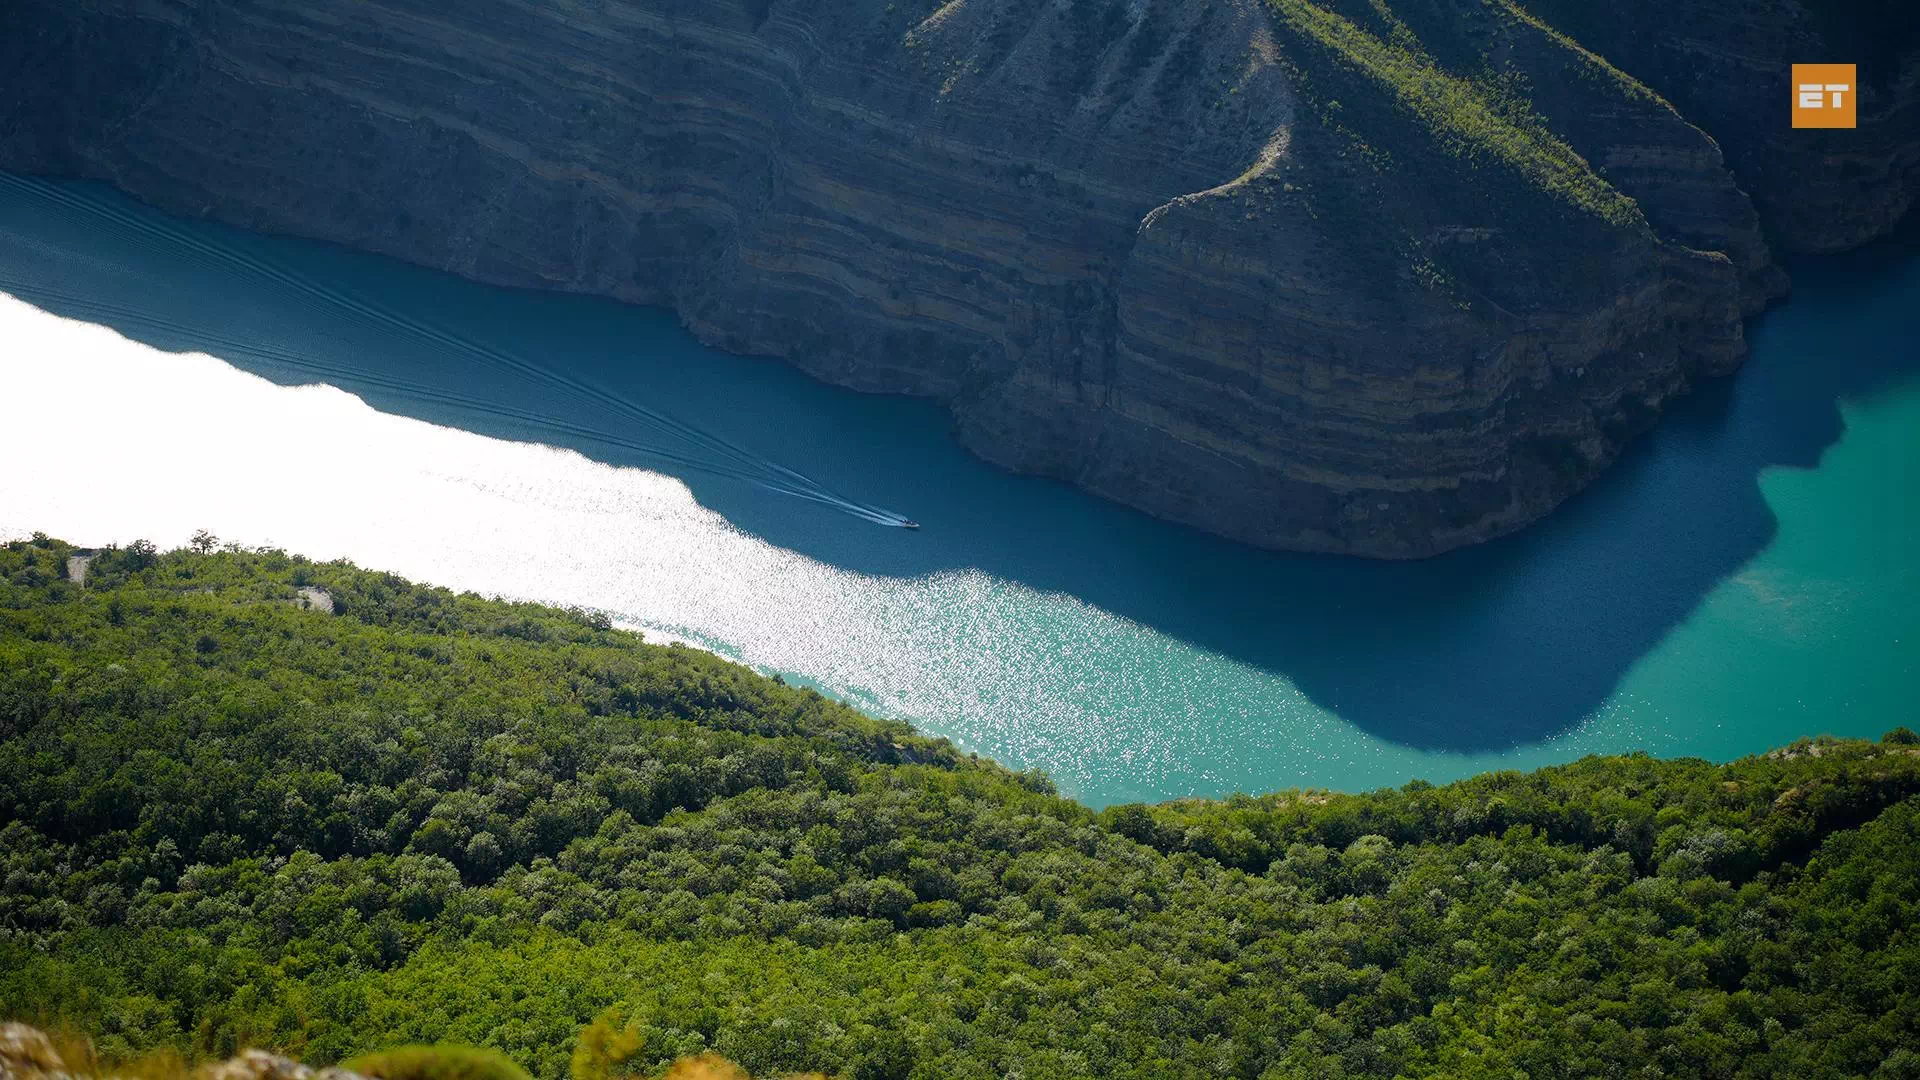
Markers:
(1743, 578)
(179, 442)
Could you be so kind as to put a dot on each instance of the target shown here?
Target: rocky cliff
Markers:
(1725, 64)
(1330, 276)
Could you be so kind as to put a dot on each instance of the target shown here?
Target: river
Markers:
(1747, 575)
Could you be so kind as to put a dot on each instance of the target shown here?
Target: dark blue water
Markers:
(1130, 657)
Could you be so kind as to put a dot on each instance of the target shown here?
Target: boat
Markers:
(909, 524)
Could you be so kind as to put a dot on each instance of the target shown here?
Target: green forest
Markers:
(229, 818)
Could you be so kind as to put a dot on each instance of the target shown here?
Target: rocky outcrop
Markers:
(26, 1053)
(1329, 277)
(261, 1065)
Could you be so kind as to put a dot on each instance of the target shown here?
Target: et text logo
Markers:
(1823, 95)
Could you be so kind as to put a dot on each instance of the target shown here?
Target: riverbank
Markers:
(426, 817)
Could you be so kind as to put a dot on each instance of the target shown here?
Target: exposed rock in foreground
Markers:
(1318, 277)
(27, 1053)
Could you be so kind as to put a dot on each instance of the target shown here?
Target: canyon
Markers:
(1336, 277)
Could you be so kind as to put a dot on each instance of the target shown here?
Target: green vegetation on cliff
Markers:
(1489, 125)
(1426, 131)
(228, 819)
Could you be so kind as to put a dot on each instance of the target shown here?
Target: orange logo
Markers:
(1823, 95)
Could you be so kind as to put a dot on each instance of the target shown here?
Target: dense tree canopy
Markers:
(229, 819)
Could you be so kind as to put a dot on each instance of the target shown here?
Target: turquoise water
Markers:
(1746, 576)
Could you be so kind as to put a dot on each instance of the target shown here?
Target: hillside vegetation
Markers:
(1479, 120)
(228, 820)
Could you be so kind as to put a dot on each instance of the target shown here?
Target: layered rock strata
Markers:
(1325, 277)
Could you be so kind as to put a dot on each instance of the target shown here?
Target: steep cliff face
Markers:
(1727, 65)
(1321, 276)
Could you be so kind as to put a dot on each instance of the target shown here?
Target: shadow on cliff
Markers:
(1507, 643)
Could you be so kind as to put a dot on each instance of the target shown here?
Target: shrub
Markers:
(437, 1062)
